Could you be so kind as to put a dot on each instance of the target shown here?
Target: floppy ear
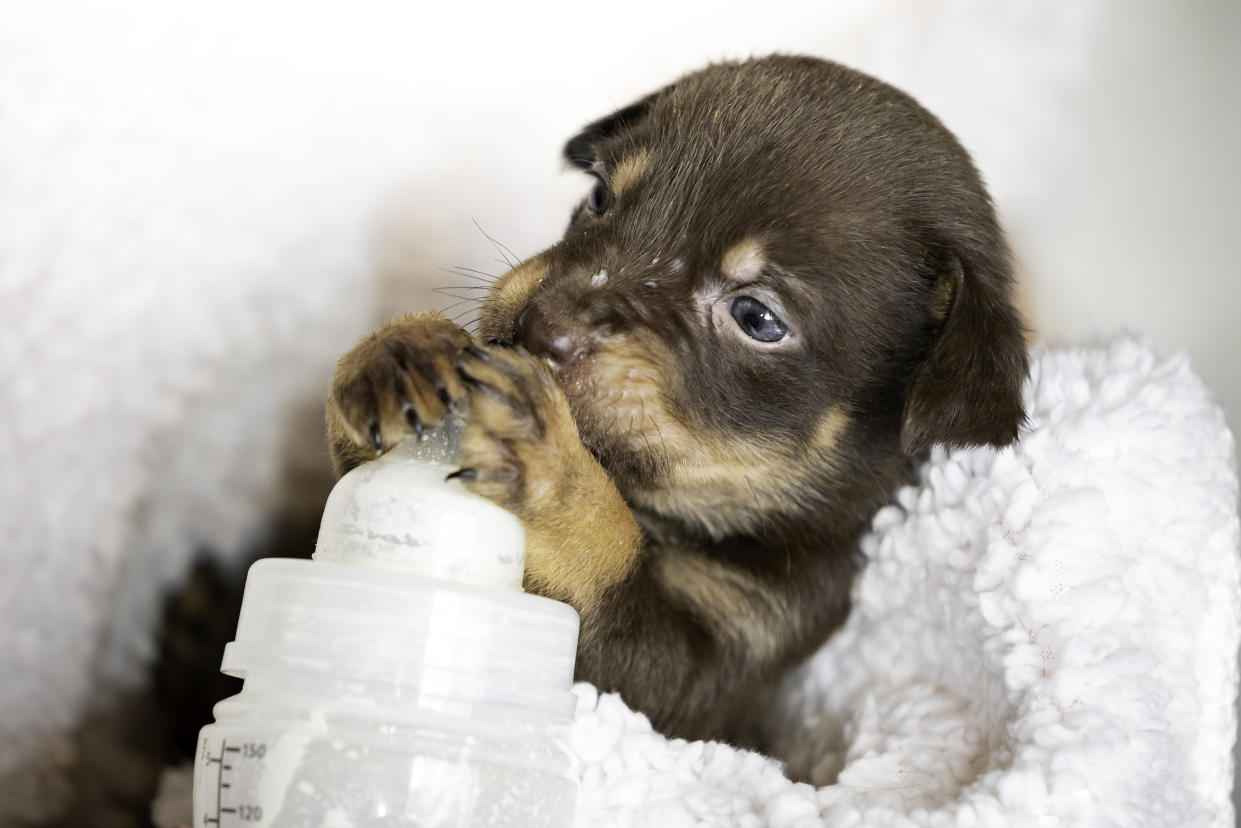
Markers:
(580, 151)
(968, 390)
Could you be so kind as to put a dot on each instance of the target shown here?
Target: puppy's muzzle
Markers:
(563, 338)
(568, 317)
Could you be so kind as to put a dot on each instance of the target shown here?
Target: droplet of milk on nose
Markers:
(600, 278)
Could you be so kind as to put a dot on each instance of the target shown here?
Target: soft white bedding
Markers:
(1044, 635)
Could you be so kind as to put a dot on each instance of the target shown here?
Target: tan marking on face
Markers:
(725, 485)
(827, 432)
(510, 292)
(620, 397)
(744, 260)
(621, 390)
(629, 172)
(721, 488)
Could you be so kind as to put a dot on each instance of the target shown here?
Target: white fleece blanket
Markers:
(1044, 635)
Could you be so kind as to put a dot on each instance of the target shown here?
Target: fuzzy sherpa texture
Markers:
(1042, 636)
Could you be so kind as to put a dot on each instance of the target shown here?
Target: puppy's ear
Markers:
(580, 151)
(968, 390)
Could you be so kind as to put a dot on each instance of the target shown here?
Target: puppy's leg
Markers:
(399, 379)
(523, 452)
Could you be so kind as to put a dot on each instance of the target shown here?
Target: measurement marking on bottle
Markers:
(219, 787)
(236, 812)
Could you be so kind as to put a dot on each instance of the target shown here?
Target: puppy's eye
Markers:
(600, 198)
(757, 320)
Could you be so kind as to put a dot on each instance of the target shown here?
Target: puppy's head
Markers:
(786, 273)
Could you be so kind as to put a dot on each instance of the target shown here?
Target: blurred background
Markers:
(203, 206)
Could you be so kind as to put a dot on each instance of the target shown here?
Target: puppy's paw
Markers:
(399, 380)
(522, 451)
(520, 442)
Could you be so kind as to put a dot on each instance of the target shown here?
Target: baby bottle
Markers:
(401, 677)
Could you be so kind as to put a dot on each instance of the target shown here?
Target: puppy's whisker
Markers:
(456, 305)
(461, 300)
(474, 289)
(461, 287)
(484, 273)
(507, 252)
(477, 275)
(500, 248)
(448, 292)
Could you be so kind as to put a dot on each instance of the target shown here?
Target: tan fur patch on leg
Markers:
(581, 538)
(588, 543)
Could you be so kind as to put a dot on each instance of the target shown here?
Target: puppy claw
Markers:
(502, 475)
(411, 417)
(446, 399)
(509, 400)
(377, 439)
(507, 363)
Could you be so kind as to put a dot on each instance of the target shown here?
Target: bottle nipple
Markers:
(400, 512)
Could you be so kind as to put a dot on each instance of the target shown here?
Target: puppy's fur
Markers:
(787, 280)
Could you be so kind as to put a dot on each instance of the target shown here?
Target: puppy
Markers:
(786, 281)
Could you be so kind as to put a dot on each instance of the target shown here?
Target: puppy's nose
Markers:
(561, 341)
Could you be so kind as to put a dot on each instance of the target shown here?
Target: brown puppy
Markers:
(787, 279)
